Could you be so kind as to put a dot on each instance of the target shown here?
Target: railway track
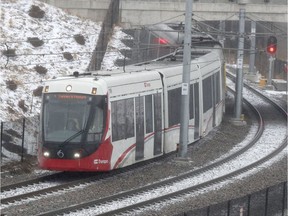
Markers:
(60, 181)
(147, 191)
(161, 187)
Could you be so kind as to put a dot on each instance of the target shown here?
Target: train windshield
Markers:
(72, 118)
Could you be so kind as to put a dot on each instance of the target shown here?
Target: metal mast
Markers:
(239, 74)
(185, 92)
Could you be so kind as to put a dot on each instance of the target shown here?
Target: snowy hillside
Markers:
(37, 42)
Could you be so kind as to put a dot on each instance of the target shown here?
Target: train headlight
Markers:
(77, 155)
(46, 154)
(68, 88)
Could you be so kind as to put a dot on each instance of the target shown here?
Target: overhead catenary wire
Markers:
(44, 39)
(112, 51)
(72, 61)
(227, 34)
(67, 77)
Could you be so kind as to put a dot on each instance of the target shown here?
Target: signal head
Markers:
(271, 45)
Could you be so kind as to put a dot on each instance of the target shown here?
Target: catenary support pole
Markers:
(1, 139)
(185, 92)
(270, 72)
(221, 36)
(252, 48)
(239, 73)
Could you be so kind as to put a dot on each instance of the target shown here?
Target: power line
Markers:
(43, 39)
(155, 68)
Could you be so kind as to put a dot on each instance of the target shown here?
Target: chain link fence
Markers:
(19, 139)
(271, 201)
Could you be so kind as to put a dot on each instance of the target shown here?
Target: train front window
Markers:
(65, 115)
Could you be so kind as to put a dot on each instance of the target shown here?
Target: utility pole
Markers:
(185, 92)
(252, 48)
(221, 36)
(239, 72)
(270, 73)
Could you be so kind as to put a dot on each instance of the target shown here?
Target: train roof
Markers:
(171, 60)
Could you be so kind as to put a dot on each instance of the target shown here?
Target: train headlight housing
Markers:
(46, 89)
(46, 154)
(94, 91)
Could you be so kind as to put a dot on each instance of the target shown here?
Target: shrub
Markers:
(11, 84)
(9, 52)
(67, 55)
(11, 111)
(79, 39)
(6, 137)
(40, 69)
(35, 41)
(13, 133)
(36, 12)
(38, 91)
(21, 104)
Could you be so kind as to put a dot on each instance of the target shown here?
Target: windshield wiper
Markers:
(72, 137)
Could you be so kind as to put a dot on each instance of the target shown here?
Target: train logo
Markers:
(60, 153)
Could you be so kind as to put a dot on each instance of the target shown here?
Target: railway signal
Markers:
(271, 49)
(271, 45)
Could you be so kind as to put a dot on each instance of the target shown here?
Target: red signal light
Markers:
(271, 50)
(272, 45)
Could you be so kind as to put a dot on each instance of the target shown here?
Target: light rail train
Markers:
(111, 119)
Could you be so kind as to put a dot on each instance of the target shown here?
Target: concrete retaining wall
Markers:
(143, 12)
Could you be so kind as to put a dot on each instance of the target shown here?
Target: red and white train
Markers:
(112, 119)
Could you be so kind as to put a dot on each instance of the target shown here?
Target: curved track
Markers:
(135, 195)
(150, 189)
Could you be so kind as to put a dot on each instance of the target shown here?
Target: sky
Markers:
(56, 29)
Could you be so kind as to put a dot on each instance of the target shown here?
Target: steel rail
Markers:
(70, 183)
(190, 174)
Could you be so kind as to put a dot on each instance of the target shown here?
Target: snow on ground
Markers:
(56, 29)
(267, 144)
(263, 147)
(113, 50)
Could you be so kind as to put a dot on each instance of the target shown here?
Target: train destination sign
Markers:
(71, 97)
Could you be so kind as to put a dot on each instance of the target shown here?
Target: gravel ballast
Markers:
(220, 141)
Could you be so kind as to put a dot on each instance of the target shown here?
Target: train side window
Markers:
(97, 126)
(174, 101)
(129, 117)
(122, 113)
(191, 102)
(207, 93)
(217, 82)
(118, 120)
(149, 113)
(157, 124)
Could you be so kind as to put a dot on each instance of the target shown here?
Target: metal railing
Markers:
(19, 138)
(271, 201)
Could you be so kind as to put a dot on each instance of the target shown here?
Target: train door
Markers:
(157, 124)
(197, 111)
(139, 109)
